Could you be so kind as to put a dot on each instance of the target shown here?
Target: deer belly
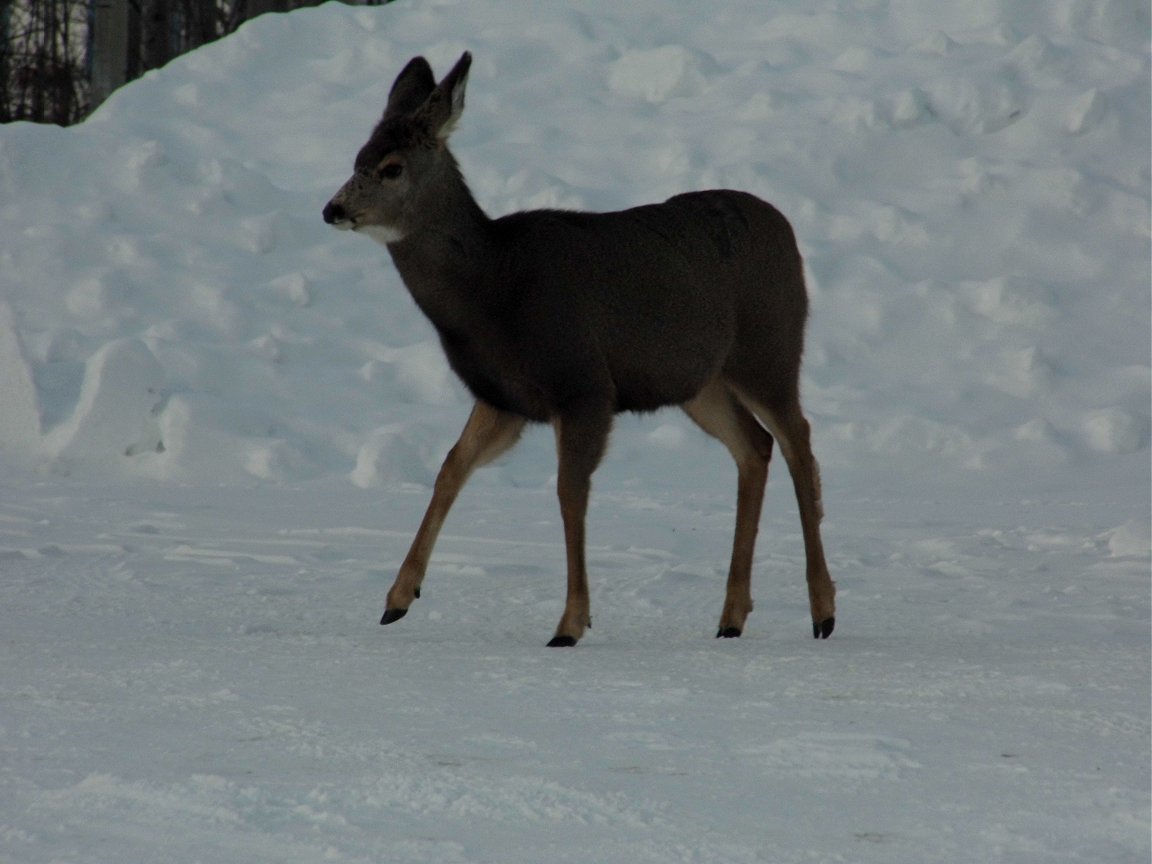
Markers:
(651, 387)
(669, 359)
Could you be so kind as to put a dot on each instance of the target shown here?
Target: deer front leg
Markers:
(488, 433)
(581, 436)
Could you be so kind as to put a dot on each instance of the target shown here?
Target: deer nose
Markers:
(334, 213)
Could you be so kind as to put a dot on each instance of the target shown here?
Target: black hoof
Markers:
(728, 633)
(562, 642)
(391, 615)
(823, 629)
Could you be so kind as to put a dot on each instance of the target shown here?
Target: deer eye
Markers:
(391, 170)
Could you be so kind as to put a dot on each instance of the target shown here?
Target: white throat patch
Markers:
(382, 233)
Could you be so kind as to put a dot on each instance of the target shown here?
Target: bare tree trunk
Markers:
(155, 33)
(6, 46)
(259, 7)
(208, 20)
(109, 41)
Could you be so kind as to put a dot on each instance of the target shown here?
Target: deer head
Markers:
(404, 166)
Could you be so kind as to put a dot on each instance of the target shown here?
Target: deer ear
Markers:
(411, 88)
(445, 104)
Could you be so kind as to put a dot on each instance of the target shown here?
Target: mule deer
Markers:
(569, 318)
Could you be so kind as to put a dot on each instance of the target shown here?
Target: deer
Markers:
(570, 317)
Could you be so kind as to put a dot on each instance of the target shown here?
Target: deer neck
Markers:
(446, 258)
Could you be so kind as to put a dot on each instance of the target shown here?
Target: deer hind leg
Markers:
(581, 438)
(488, 433)
(717, 412)
(787, 423)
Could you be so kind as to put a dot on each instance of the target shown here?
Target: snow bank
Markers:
(192, 669)
(970, 188)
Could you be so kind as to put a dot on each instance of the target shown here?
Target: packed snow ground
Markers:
(220, 420)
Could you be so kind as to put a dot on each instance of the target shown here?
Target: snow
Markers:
(221, 421)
